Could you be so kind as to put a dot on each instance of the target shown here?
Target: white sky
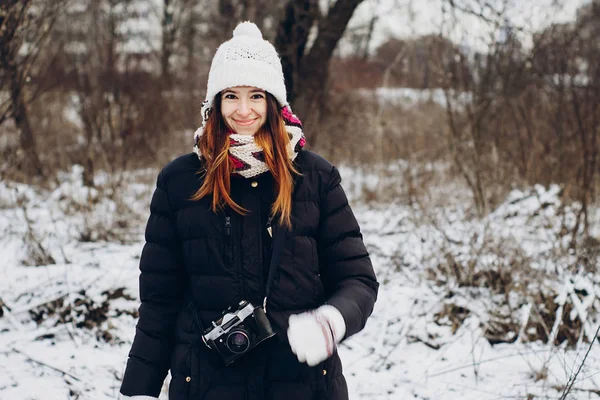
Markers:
(402, 18)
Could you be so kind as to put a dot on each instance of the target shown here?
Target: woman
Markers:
(253, 221)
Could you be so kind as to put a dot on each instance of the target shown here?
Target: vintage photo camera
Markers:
(237, 332)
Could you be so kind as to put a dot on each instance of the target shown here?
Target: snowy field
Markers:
(66, 325)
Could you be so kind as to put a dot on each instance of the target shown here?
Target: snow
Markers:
(408, 97)
(411, 346)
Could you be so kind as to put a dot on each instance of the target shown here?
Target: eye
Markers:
(257, 96)
(229, 96)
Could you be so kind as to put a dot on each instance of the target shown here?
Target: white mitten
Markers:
(313, 335)
(137, 397)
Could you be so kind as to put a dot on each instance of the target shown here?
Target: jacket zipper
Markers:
(228, 226)
(231, 253)
(269, 226)
(228, 242)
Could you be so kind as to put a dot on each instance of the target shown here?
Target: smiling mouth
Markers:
(245, 123)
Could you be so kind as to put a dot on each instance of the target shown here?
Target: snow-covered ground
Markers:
(413, 347)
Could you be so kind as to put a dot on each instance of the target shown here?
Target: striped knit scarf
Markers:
(247, 157)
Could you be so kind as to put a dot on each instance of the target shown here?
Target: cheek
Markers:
(262, 110)
(226, 110)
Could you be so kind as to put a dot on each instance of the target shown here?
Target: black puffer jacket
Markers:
(223, 258)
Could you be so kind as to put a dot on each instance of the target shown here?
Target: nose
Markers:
(244, 108)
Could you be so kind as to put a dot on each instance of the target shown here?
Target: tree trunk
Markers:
(292, 36)
(21, 118)
(310, 88)
(168, 39)
(250, 12)
(228, 19)
(369, 37)
(11, 16)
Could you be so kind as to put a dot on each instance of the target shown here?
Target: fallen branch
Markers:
(595, 391)
(40, 303)
(6, 312)
(45, 364)
(561, 300)
(572, 379)
(524, 322)
(27, 336)
(480, 362)
(58, 296)
(581, 311)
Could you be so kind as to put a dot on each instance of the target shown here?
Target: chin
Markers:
(246, 132)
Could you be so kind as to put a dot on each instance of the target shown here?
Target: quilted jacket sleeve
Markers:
(161, 286)
(346, 267)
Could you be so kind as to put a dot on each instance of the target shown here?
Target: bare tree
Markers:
(117, 98)
(307, 73)
(179, 20)
(24, 29)
(168, 37)
(292, 39)
(532, 113)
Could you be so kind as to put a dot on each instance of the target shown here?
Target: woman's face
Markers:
(244, 109)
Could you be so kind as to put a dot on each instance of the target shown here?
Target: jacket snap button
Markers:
(188, 379)
(324, 372)
(254, 184)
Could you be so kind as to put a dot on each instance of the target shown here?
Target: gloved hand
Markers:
(313, 335)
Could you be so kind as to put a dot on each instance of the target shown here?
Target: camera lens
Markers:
(238, 341)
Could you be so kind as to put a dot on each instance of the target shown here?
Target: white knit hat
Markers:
(245, 60)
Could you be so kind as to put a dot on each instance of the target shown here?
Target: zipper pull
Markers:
(269, 227)
(228, 226)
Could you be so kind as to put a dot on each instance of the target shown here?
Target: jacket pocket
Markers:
(322, 381)
(181, 373)
(201, 374)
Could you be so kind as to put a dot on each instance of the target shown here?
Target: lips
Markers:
(244, 123)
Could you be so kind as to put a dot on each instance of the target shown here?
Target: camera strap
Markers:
(279, 235)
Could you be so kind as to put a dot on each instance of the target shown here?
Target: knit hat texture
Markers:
(245, 60)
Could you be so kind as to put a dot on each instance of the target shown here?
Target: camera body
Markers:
(238, 331)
